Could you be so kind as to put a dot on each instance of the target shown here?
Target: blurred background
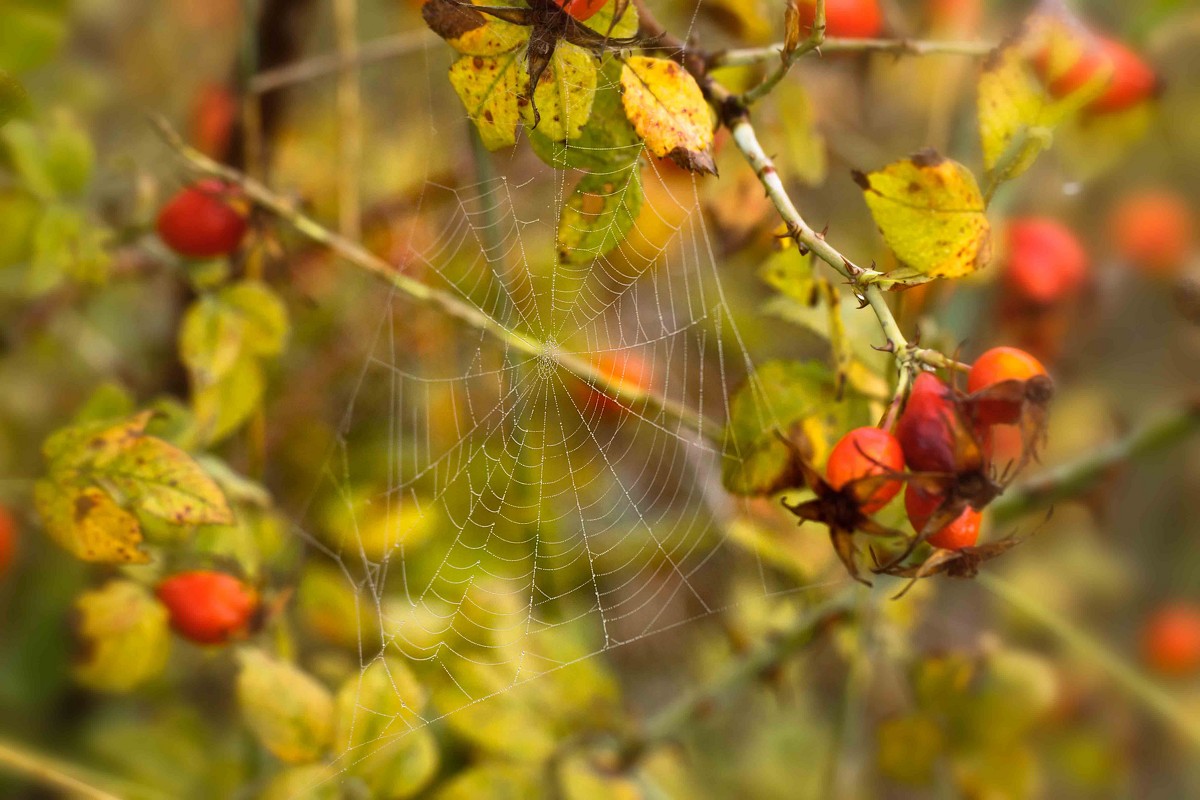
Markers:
(477, 576)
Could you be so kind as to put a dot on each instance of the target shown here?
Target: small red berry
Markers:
(1131, 79)
(962, 532)
(581, 9)
(996, 366)
(863, 452)
(1171, 639)
(1046, 263)
(930, 427)
(1153, 231)
(849, 19)
(208, 607)
(199, 222)
(8, 539)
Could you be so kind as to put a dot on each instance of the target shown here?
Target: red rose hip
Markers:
(581, 9)
(849, 19)
(208, 607)
(962, 532)
(1046, 263)
(200, 222)
(861, 453)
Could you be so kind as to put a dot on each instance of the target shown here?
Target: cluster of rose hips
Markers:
(948, 449)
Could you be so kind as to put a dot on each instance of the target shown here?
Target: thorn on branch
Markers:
(890, 347)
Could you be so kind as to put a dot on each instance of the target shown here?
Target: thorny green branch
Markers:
(786, 58)
(445, 302)
(1128, 677)
(1077, 477)
(751, 667)
(901, 47)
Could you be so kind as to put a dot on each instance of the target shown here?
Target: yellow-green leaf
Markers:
(1017, 115)
(165, 482)
(564, 94)
(495, 780)
(668, 110)
(310, 782)
(289, 712)
(88, 523)
(490, 87)
(791, 398)
(124, 634)
(599, 214)
(379, 732)
(931, 214)
(222, 407)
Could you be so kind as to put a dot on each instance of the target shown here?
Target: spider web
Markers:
(526, 525)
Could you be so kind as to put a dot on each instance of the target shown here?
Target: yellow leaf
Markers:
(489, 87)
(931, 214)
(89, 523)
(379, 732)
(288, 711)
(124, 634)
(668, 110)
(1017, 115)
(564, 95)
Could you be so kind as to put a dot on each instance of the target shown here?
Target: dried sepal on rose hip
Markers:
(204, 220)
(860, 479)
(945, 435)
(209, 607)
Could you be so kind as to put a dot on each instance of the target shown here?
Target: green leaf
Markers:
(222, 407)
(210, 340)
(564, 94)
(311, 782)
(607, 142)
(495, 781)
(909, 748)
(165, 482)
(289, 712)
(19, 213)
(504, 724)
(796, 399)
(599, 214)
(69, 156)
(125, 637)
(27, 153)
(263, 315)
(803, 147)
(791, 273)
(1017, 115)
(931, 214)
(66, 245)
(31, 31)
(380, 732)
(14, 101)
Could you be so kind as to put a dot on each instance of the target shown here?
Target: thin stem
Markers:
(696, 702)
(47, 772)
(1166, 707)
(901, 47)
(1077, 477)
(443, 301)
(371, 52)
(789, 57)
(349, 116)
